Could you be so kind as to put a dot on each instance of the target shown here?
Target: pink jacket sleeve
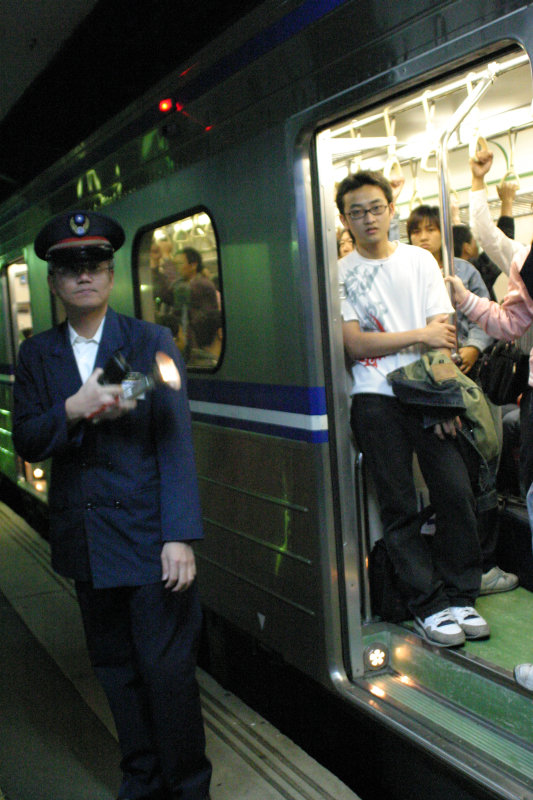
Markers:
(510, 319)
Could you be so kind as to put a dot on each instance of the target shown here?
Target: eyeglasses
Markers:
(359, 213)
(75, 270)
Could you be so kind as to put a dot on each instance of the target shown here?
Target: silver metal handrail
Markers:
(457, 117)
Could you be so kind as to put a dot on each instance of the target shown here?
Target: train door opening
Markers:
(484, 117)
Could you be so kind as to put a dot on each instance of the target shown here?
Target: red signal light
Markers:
(165, 105)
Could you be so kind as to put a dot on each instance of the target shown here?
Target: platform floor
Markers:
(57, 738)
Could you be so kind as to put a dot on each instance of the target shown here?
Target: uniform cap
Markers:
(79, 236)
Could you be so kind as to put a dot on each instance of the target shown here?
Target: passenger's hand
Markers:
(178, 566)
(507, 191)
(469, 356)
(460, 292)
(482, 163)
(96, 401)
(439, 333)
(448, 428)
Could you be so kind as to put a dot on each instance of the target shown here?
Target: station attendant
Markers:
(124, 507)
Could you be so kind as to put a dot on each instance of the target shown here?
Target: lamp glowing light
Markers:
(376, 656)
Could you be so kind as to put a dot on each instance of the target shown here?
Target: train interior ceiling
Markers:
(401, 138)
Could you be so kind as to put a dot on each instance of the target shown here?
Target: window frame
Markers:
(161, 222)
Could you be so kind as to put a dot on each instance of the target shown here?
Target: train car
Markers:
(234, 158)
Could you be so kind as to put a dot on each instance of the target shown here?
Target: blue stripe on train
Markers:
(294, 399)
(307, 401)
(299, 434)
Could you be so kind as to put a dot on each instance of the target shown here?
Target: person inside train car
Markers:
(166, 247)
(508, 321)
(395, 306)
(208, 336)
(192, 269)
(123, 504)
(193, 292)
(509, 479)
(423, 230)
(345, 242)
(466, 248)
(495, 240)
(397, 183)
(155, 256)
(164, 276)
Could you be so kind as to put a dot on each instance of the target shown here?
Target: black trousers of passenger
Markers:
(526, 438)
(441, 570)
(142, 643)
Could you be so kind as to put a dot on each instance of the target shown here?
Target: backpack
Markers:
(503, 372)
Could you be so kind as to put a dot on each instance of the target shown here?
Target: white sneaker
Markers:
(441, 629)
(472, 623)
(496, 580)
(523, 674)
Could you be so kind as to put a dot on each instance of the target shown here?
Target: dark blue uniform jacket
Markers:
(119, 489)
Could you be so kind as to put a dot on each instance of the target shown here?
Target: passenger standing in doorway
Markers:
(394, 307)
(508, 321)
(423, 230)
(124, 507)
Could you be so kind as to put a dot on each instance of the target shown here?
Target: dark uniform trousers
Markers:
(142, 643)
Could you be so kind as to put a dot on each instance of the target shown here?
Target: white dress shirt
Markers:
(85, 350)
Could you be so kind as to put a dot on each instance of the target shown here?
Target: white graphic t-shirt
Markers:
(393, 294)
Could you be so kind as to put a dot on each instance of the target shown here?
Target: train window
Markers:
(35, 476)
(20, 302)
(178, 279)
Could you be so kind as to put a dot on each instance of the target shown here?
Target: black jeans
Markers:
(142, 644)
(442, 570)
(526, 438)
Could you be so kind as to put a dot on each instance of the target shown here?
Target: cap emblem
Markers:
(79, 224)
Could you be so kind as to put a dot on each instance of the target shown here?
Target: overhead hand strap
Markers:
(511, 175)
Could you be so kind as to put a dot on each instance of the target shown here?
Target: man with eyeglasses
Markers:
(395, 307)
(123, 505)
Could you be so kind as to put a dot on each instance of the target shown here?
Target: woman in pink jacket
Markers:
(508, 321)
